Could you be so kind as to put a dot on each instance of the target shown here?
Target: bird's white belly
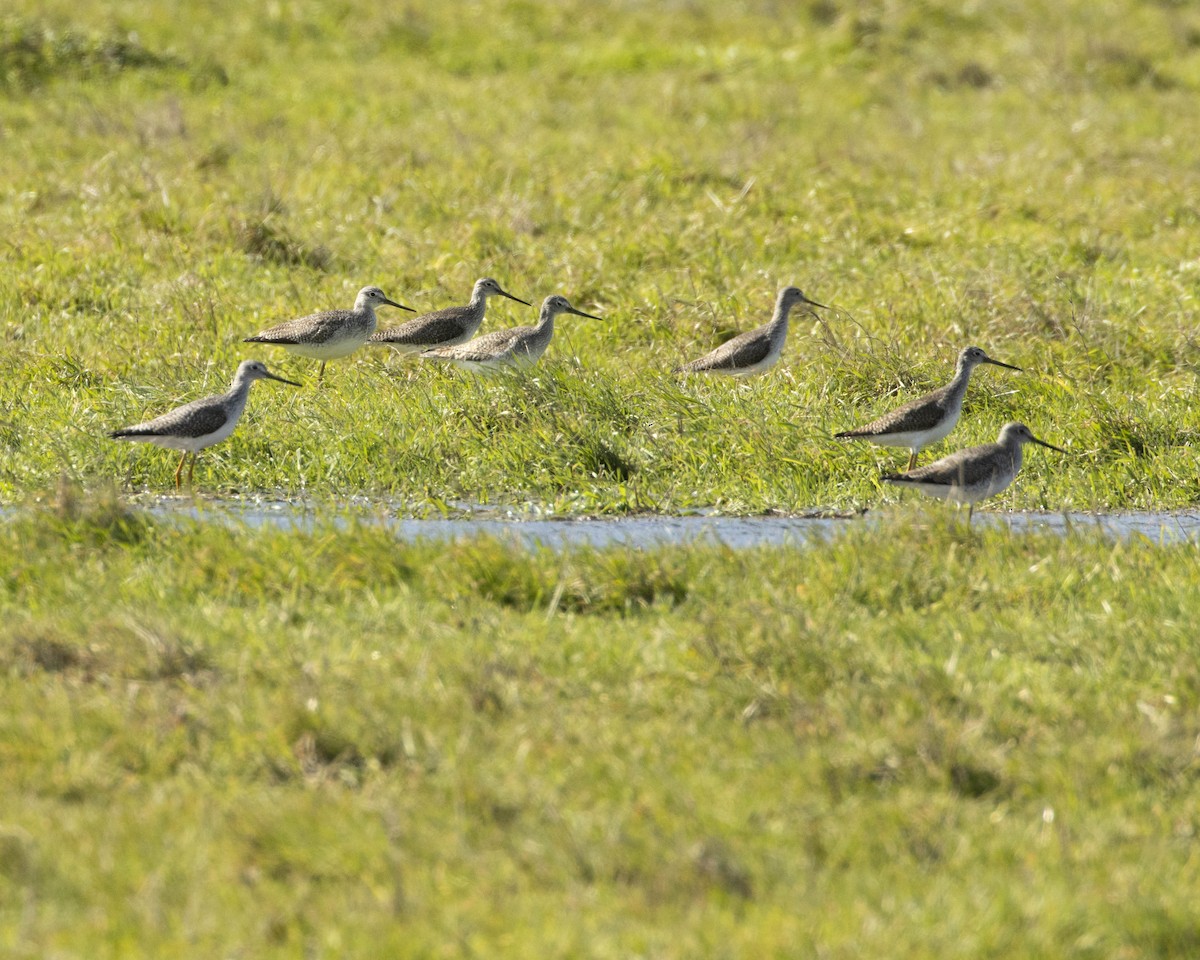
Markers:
(411, 348)
(973, 493)
(527, 356)
(407, 349)
(522, 358)
(195, 444)
(961, 493)
(915, 439)
(329, 350)
(763, 365)
(482, 367)
(996, 483)
(774, 352)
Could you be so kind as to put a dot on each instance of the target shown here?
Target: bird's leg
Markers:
(192, 469)
(912, 460)
(179, 471)
(321, 374)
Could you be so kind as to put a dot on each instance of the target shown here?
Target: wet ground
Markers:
(647, 530)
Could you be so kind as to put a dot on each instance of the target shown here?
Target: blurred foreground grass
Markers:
(908, 741)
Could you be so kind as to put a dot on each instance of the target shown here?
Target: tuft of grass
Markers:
(264, 238)
(34, 53)
(43, 649)
(543, 580)
(94, 518)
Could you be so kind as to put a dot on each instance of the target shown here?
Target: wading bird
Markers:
(203, 422)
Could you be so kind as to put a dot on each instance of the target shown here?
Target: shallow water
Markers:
(648, 530)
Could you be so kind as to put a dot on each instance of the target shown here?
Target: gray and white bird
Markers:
(754, 351)
(445, 328)
(970, 475)
(203, 422)
(927, 419)
(331, 334)
(508, 349)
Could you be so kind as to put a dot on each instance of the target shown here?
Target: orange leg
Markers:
(912, 460)
(179, 470)
(192, 470)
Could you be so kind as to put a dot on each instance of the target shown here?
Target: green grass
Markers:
(911, 741)
(232, 742)
(1017, 175)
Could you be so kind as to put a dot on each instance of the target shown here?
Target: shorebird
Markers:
(331, 334)
(754, 351)
(203, 422)
(927, 419)
(445, 328)
(967, 476)
(517, 347)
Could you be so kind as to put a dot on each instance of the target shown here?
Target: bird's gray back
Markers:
(489, 346)
(967, 468)
(196, 419)
(924, 413)
(315, 328)
(440, 326)
(744, 350)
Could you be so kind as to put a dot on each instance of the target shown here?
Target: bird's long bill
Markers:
(813, 303)
(393, 303)
(271, 376)
(505, 293)
(1006, 366)
(1045, 444)
(580, 313)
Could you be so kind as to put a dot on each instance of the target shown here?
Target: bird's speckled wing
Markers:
(488, 347)
(964, 468)
(196, 419)
(317, 328)
(744, 350)
(427, 330)
(924, 413)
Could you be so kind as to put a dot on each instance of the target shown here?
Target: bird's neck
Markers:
(962, 376)
(239, 388)
(780, 317)
(1016, 452)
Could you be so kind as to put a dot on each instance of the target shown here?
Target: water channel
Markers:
(643, 530)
